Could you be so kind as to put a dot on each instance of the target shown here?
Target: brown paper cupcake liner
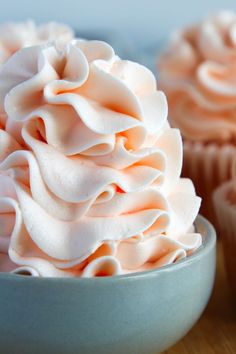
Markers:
(208, 166)
(225, 210)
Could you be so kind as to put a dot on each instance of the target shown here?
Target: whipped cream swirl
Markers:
(197, 72)
(89, 167)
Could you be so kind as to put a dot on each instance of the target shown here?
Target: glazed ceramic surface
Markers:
(141, 313)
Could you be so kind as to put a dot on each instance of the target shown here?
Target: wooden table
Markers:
(215, 332)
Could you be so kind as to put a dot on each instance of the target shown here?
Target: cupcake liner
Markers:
(208, 166)
(226, 215)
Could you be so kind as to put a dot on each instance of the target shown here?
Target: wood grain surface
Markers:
(215, 332)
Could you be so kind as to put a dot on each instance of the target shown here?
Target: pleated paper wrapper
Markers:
(208, 166)
(224, 199)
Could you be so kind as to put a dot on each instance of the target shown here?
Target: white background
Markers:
(137, 29)
(147, 20)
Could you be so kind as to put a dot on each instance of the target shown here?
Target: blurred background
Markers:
(136, 28)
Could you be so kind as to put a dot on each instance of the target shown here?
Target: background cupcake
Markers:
(225, 207)
(17, 35)
(197, 72)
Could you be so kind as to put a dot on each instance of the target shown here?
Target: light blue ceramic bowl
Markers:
(142, 313)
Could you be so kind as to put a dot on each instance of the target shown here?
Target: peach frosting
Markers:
(197, 72)
(16, 35)
(89, 167)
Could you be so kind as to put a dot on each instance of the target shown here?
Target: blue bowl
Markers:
(140, 313)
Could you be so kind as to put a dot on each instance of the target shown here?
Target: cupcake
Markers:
(225, 207)
(16, 35)
(89, 167)
(197, 72)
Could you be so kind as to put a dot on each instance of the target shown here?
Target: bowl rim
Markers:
(209, 242)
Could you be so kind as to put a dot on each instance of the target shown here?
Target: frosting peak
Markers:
(90, 169)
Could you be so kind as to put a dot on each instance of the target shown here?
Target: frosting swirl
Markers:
(197, 71)
(16, 35)
(89, 167)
